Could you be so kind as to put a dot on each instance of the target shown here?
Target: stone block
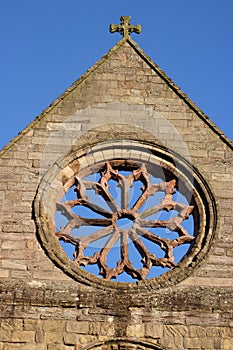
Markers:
(197, 331)
(35, 155)
(154, 330)
(25, 346)
(14, 264)
(19, 274)
(84, 339)
(199, 343)
(71, 338)
(53, 325)
(227, 344)
(4, 273)
(59, 347)
(101, 328)
(23, 336)
(53, 337)
(77, 327)
(135, 330)
(5, 332)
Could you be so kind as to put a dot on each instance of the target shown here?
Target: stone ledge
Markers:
(42, 294)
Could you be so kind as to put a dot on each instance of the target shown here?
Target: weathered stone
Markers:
(127, 103)
(23, 336)
(77, 327)
(53, 337)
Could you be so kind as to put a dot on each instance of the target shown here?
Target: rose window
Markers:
(121, 221)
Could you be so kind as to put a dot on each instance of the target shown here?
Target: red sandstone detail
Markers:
(108, 221)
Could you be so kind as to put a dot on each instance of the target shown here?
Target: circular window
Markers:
(124, 220)
(124, 215)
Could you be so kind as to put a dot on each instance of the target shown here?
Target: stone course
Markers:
(43, 308)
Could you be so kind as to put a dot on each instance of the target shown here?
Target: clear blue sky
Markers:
(47, 44)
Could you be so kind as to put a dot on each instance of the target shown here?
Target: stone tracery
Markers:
(106, 219)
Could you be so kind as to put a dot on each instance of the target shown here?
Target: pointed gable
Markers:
(127, 75)
(123, 123)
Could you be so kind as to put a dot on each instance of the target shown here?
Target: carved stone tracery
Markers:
(108, 222)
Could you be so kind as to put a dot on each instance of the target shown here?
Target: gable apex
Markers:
(125, 41)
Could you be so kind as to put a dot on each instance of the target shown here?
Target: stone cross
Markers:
(125, 28)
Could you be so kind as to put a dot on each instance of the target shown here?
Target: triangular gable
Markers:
(96, 66)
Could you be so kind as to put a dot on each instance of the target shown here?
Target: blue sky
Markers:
(48, 44)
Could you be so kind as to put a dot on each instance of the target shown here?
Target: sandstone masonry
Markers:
(123, 99)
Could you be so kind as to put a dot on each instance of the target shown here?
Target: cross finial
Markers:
(125, 28)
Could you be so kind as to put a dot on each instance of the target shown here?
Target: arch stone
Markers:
(122, 344)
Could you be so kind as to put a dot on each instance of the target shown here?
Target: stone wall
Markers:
(123, 97)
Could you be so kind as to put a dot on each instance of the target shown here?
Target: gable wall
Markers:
(52, 311)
